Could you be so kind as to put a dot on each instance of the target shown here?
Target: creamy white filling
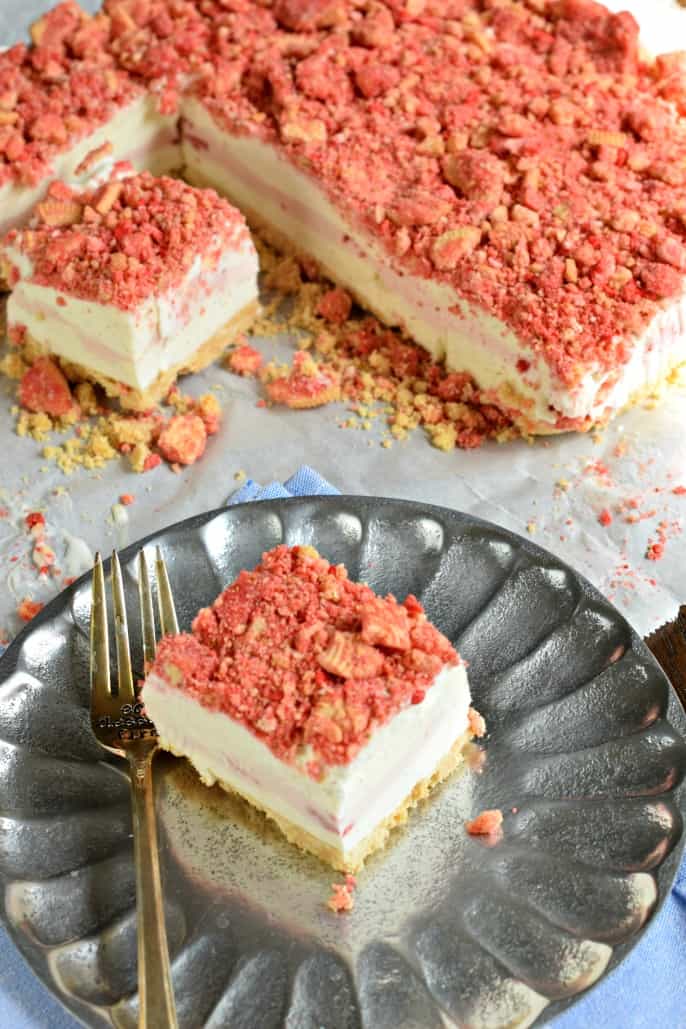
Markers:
(352, 800)
(134, 347)
(138, 133)
(256, 176)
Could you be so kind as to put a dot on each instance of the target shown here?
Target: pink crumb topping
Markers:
(300, 655)
(56, 92)
(127, 240)
(524, 153)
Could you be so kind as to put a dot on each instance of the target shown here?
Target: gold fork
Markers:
(121, 727)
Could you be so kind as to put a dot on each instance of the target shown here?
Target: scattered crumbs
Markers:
(127, 499)
(97, 431)
(679, 491)
(342, 898)
(244, 360)
(605, 517)
(240, 476)
(655, 549)
(488, 823)
(563, 485)
(358, 360)
(531, 526)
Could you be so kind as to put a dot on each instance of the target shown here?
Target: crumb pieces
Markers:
(44, 389)
(487, 823)
(126, 499)
(245, 360)
(305, 385)
(102, 433)
(335, 306)
(28, 609)
(605, 517)
(380, 373)
(183, 439)
(342, 898)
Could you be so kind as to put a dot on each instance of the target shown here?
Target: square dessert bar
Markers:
(332, 710)
(131, 282)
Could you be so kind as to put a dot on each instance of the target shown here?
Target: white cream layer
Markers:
(256, 176)
(348, 804)
(138, 133)
(134, 347)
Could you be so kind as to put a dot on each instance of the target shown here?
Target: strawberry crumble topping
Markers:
(122, 242)
(526, 155)
(307, 660)
(56, 92)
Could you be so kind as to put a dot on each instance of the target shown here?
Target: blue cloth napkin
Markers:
(645, 992)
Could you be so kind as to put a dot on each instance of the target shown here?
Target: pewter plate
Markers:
(585, 756)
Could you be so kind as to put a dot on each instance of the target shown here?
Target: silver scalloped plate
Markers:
(585, 756)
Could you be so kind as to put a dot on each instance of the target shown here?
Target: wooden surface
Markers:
(668, 644)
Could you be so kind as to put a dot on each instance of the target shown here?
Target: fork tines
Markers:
(101, 687)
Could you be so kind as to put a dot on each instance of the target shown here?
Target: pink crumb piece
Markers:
(605, 517)
(342, 898)
(126, 499)
(44, 388)
(335, 306)
(183, 439)
(151, 461)
(245, 361)
(476, 722)
(486, 824)
(28, 609)
(655, 550)
(679, 491)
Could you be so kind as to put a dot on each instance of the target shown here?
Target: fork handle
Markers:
(155, 994)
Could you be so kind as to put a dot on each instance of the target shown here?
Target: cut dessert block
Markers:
(527, 226)
(65, 98)
(330, 709)
(132, 282)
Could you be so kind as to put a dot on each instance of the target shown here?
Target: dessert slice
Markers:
(132, 282)
(505, 183)
(332, 710)
(64, 98)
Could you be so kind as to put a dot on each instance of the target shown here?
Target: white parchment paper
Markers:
(555, 489)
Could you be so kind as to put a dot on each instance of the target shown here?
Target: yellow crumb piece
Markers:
(531, 526)
(36, 425)
(138, 456)
(563, 484)
(443, 436)
(284, 276)
(86, 398)
(13, 366)
(240, 475)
